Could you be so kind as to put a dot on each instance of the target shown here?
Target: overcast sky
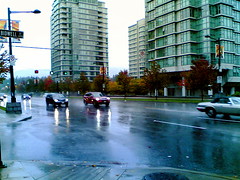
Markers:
(36, 27)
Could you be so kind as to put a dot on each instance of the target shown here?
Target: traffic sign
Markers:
(219, 79)
(12, 34)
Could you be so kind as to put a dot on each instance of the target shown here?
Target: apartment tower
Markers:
(137, 49)
(79, 39)
(180, 31)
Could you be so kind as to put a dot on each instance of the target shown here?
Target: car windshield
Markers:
(97, 94)
(58, 96)
(236, 100)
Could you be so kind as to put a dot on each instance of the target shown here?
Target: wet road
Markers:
(135, 134)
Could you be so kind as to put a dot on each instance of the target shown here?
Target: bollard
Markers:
(1, 163)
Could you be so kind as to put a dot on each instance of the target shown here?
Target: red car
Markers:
(96, 98)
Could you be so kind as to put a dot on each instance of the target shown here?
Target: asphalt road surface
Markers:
(134, 134)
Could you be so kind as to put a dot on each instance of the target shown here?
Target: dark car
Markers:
(26, 97)
(56, 99)
(2, 96)
(96, 98)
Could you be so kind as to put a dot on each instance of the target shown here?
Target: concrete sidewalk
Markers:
(39, 170)
(9, 117)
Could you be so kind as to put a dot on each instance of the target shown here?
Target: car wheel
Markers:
(54, 105)
(211, 112)
(96, 104)
(85, 102)
(107, 104)
(66, 104)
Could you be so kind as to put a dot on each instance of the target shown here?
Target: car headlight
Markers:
(66, 100)
(108, 98)
(97, 99)
(56, 100)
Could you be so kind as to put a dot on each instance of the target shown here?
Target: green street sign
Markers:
(11, 34)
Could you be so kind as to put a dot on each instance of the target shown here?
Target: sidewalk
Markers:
(39, 170)
(42, 170)
(8, 117)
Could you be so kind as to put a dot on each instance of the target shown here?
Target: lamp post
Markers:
(218, 51)
(52, 73)
(12, 84)
(13, 98)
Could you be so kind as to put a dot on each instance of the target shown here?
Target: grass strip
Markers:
(3, 108)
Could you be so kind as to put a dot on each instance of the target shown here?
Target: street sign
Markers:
(11, 34)
(219, 79)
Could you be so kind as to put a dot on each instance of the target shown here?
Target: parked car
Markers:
(96, 98)
(56, 99)
(222, 105)
(26, 97)
(2, 96)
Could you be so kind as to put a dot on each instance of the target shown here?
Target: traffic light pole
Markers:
(13, 98)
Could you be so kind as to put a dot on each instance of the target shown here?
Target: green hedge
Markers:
(237, 94)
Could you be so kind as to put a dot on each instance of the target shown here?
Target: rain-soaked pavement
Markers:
(136, 134)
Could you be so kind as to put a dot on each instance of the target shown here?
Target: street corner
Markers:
(14, 170)
(11, 117)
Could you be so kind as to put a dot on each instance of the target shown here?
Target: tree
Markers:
(49, 85)
(138, 87)
(123, 80)
(155, 78)
(66, 85)
(98, 83)
(83, 84)
(201, 76)
(4, 66)
(113, 87)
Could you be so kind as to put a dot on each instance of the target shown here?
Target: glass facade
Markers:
(79, 38)
(177, 29)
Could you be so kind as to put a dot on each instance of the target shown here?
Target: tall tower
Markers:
(137, 49)
(184, 30)
(79, 39)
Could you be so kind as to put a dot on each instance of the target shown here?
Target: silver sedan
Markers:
(223, 105)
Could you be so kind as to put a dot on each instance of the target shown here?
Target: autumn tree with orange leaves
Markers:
(4, 66)
(201, 76)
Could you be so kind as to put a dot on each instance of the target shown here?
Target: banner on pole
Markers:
(15, 27)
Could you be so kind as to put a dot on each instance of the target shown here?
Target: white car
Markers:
(223, 105)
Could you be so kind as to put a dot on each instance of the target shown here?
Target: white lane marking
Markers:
(184, 125)
(171, 110)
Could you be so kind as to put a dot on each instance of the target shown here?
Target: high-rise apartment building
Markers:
(184, 30)
(79, 38)
(137, 49)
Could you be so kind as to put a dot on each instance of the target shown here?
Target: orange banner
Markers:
(15, 27)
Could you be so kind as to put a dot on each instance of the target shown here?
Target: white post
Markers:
(232, 90)
(183, 88)
(165, 91)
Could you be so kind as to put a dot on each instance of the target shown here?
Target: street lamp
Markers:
(218, 51)
(13, 98)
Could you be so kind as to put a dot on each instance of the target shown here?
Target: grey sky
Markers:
(121, 14)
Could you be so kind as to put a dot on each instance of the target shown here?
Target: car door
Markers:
(235, 106)
(88, 97)
(224, 106)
